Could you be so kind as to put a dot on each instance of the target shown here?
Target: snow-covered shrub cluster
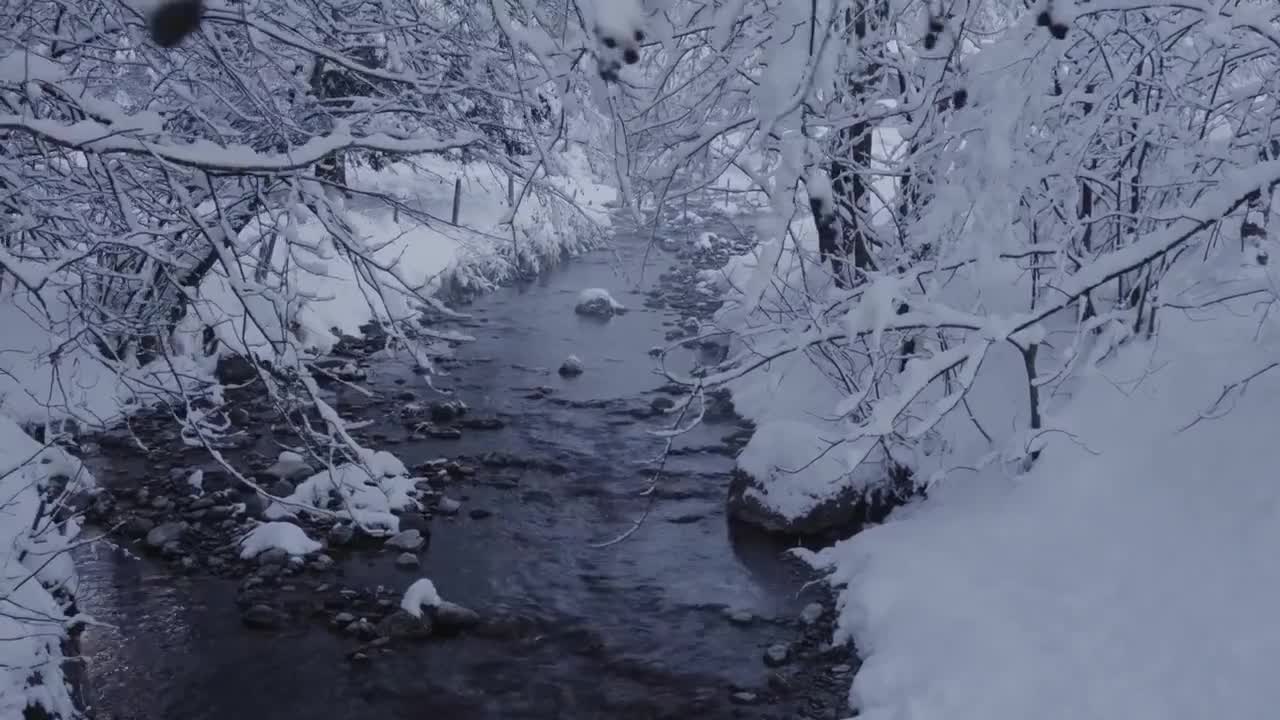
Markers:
(37, 576)
(978, 211)
(278, 178)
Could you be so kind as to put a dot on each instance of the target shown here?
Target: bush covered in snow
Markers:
(37, 577)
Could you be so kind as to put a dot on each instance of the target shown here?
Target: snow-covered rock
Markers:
(407, 540)
(283, 536)
(290, 467)
(597, 302)
(787, 482)
(571, 367)
(421, 594)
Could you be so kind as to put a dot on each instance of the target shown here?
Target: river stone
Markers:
(448, 506)
(449, 616)
(571, 367)
(162, 535)
(849, 510)
(446, 410)
(480, 514)
(409, 540)
(415, 521)
(739, 617)
(777, 655)
(439, 432)
(161, 502)
(262, 617)
(812, 613)
(401, 625)
(489, 423)
(290, 469)
(662, 404)
(321, 562)
(281, 488)
(343, 619)
(138, 527)
(341, 534)
(407, 561)
(743, 698)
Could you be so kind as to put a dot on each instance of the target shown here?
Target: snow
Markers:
(367, 491)
(32, 623)
(277, 536)
(597, 301)
(1129, 574)
(422, 593)
(48, 372)
(324, 289)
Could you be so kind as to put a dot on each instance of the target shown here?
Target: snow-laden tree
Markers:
(955, 186)
(160, 203)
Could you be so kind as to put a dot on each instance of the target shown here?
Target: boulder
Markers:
(840, 515)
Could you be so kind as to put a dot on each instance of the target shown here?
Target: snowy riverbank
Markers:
(1127, 574)
(49, 372)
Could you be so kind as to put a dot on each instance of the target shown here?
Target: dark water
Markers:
(633, 630)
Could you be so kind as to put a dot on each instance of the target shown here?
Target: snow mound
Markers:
(277, 536)
(598, 302)
(1129, 574)
(422, 593)
(365, 492)
(789, 459)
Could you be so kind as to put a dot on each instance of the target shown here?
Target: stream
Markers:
(670, 623)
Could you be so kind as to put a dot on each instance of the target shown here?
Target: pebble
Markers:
(812, 613)
(407, 561)
(739, 617)
(777, 654)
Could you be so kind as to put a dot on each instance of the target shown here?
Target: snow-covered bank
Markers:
(1129, 574)
(413, 251)
(37, 577)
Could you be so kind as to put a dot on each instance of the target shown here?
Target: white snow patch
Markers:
(1130, 574)
(277, 535)
(422, 593)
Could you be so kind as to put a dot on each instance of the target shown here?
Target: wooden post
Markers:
(457, 199)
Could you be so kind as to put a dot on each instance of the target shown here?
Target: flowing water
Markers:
(638, 629)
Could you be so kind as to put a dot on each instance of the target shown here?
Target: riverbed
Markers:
(672, 622)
